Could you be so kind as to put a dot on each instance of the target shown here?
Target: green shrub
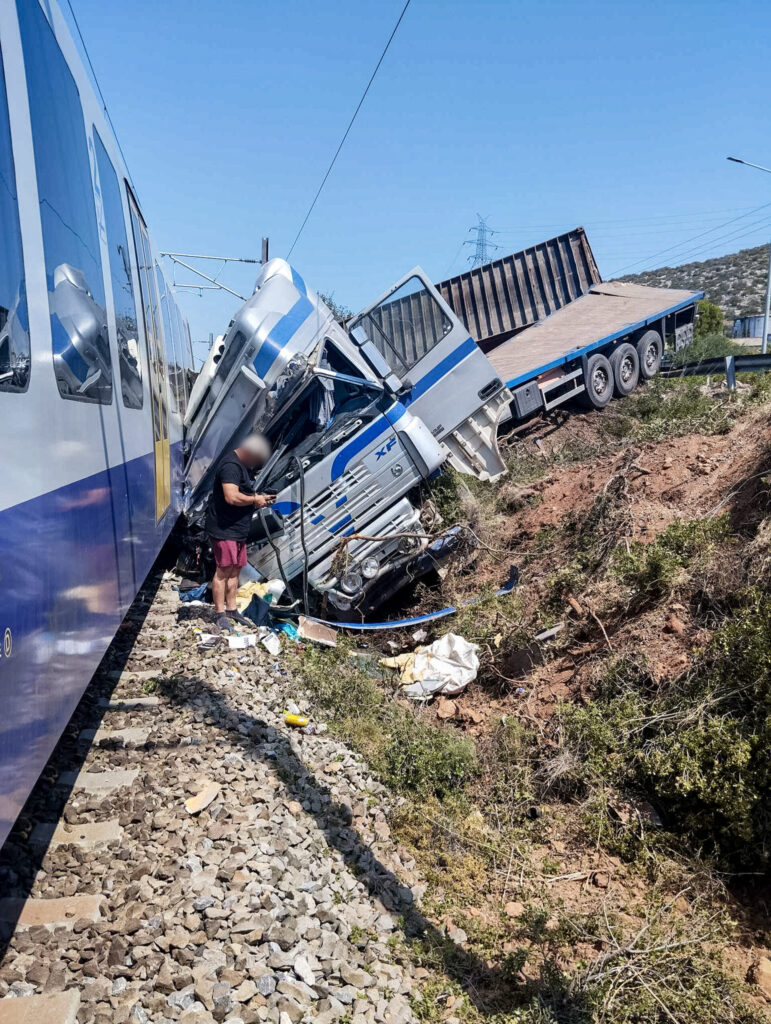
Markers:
(424, 759)
(443, 491)
(706, 346)
(760, 386)
(655, 570)
(407, 752)
(710, 320)
(701, 749)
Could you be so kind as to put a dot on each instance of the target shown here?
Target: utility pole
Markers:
(481, 244)
(767, 311)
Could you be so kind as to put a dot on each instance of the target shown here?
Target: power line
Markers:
(348, 129)
(731, 236)
(701, 234)
(101, 94)
(591, 221)
(698, 252)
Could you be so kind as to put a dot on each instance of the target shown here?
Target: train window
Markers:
(122, 285)
(81, 348)
(172, 365)
(182, 352)
(14, 329)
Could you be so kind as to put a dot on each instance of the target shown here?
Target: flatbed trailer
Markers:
(602, 343)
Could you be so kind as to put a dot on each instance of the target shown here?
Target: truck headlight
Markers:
(370, 567)
(351, 583)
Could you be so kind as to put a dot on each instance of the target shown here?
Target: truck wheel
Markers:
(598, 383)
(625, 364)
(649, 349)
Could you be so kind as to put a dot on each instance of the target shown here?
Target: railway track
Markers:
(274, 894)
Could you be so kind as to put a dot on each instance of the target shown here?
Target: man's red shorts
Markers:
(228, 553)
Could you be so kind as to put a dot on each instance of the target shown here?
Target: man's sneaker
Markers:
(223, 623)
(242, 620)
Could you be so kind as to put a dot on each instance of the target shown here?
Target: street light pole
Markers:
(767, 311)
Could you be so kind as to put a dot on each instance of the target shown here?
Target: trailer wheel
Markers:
(625, 364)
(650, 350)
(598, 383)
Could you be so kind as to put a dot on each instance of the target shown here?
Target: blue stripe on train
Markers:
(71, 562)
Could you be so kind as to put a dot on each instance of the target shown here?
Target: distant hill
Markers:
(736, 282)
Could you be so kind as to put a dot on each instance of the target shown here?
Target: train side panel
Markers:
(81, 521)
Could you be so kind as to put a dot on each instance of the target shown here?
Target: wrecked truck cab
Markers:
(357, 418)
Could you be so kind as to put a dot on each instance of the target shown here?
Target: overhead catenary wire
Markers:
(347, 130)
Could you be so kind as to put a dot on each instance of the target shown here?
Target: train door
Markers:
(156, 360)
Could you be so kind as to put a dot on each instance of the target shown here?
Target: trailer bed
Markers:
(606, 312)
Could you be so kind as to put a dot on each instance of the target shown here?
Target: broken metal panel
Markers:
(352, 434)
(510, 293)
(266, 355)
(448, 382)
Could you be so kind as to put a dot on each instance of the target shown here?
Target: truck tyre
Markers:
(625, 364)
(598, 383)
(649, 349)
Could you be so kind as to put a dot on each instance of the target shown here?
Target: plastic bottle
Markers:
(273, 590)
(299, 720)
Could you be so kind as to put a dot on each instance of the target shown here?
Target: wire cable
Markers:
(348, 129)
(679, 245)
(691, 255)
(301, 471)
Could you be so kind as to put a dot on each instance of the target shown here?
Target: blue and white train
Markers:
(95, 371)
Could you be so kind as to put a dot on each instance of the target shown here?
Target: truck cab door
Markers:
(446, 380)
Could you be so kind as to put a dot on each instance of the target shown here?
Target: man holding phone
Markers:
(228, 518)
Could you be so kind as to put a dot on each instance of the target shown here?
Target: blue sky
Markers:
(538, 115)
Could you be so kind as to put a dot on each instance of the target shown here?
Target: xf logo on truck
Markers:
(386, 448)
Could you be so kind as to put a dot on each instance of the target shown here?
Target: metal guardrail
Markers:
(729, 365)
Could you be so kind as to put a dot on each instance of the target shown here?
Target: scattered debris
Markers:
(309, 629)
(207, 641)
(207, 794)
(242, 641)
(446, 666)
(272, 644)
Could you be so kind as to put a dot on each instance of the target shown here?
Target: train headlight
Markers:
(351, 583)
(370, 567)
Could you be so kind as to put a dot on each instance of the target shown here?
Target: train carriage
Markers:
(95, 365)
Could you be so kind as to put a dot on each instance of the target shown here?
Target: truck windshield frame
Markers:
(406, 325)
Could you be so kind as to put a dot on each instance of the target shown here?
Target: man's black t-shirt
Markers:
(230, 522)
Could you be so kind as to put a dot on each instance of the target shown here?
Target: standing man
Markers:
(228, 517)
